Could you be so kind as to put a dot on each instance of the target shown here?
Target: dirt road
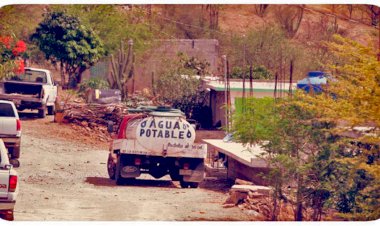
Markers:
(64, 177)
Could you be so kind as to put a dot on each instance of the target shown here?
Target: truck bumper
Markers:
(7, 205)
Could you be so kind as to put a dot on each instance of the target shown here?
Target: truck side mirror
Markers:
(110, 127)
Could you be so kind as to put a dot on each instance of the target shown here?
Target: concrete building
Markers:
(260, 89)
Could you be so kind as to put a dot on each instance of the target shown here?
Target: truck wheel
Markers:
(15, 153)
(118, 178)
(50, 110)
(184, 184)
(111, 167)
(193, 184)
(42, 112)
(174, 174)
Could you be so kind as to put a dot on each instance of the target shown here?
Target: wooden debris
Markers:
(92, 119)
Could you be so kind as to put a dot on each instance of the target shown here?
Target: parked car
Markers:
(10, 130)
(8, 185)
(35, 89)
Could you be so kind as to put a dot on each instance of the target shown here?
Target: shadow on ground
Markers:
(103, 181)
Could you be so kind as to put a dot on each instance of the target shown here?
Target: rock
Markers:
(236, 197)
(252, 213)
(228, 205)
(255, 195)
(252, 188)
(84, 123)
(243, 182)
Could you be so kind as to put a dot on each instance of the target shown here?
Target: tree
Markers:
(177, 85)
(260, 9)
(269, 47)
(290, 18)
(65, 40)
(112, 24)
(351, 99)
(292, 146)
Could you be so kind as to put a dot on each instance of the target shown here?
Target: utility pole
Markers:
(225, 89)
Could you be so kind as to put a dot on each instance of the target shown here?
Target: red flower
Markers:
(19, 48)
(20, 67)
(6, 41)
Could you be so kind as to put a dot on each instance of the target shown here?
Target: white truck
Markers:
(8, 185)
(35, 89)
(10, 130)
(157, 142)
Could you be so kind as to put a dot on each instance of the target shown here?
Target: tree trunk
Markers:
(62, 75)
(80, 73)
(298, 214)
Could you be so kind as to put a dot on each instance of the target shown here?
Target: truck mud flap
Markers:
(196, 175)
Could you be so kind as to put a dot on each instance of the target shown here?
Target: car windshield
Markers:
(6, 110)
(31, 76)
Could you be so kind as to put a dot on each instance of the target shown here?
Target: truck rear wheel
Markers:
(42, 112)
(118, 178)
(50, 110)
(111, 167)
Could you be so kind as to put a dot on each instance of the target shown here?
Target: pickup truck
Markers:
(8, 185)
(35, 89)
(157, 142)
(10, 129)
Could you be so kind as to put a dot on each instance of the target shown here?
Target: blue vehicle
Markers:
(314, 80)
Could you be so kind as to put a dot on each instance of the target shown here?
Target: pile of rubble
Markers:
(256, 201)
(94, 118)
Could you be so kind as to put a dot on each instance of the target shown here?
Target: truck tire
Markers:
(174, 174)
(183, 184)
(119, 180)
(42, 112)
(15, 153)
(193, 184)
(50, 110)
(111, 167)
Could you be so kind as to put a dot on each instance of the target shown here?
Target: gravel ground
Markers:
(63, 176)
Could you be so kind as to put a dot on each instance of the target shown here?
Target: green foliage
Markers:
(268, 47)
(93, 83)
(112, 24)
(255, 123)
(258, 72)
(177, 85)
(352, 99)
(64, 39)
(294, 149)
